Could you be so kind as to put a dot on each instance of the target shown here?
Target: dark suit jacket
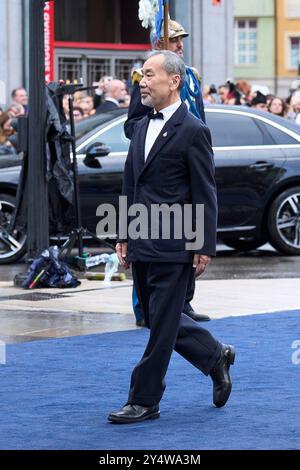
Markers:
(106, 107)
(98, 100)
(137, 110)
(178, 170)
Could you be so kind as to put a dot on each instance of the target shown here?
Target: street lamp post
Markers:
(37, 188)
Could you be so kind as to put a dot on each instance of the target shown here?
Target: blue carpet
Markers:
(56, 394)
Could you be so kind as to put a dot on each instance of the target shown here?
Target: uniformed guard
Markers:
(191, 93)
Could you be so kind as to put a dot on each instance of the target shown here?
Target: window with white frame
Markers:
(293, 9)
(294, 53)
(245, 42)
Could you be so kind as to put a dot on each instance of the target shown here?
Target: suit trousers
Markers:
(189, 292)
(137, 307)
(162, 288)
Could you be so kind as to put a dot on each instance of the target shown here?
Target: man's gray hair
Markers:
(173, 64)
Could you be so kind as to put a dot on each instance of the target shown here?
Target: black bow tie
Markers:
(153, 115)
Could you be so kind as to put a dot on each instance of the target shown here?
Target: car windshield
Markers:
(87, 125)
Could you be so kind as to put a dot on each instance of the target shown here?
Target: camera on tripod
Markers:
(79, 232)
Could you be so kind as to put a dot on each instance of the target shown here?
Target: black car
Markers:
(257, 158)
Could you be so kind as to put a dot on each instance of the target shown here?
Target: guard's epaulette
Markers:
(197, 74)
(136, 76)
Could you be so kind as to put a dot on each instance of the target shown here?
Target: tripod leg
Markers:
(98, 240)
(75, 177)
(80, 243)
(68, 245)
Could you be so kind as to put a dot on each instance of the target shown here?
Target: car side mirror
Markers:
(97, 149)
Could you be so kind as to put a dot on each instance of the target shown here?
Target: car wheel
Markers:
(243, 245)
(284, 222)
(12, 245)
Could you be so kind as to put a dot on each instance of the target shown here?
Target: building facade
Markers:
(288, 44)
(93, 38)
(11, 47)
(209, 48)
(96, 37)
(254, 42)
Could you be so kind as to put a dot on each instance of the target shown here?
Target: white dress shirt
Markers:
(156, 125)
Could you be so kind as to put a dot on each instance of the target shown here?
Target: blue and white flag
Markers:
(151, 13)
(160, 18)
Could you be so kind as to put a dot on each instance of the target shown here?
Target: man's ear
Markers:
(175, 80)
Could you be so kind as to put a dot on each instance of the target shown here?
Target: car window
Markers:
(87, 125)
(233, 130)
(279, 137)
(114, 138)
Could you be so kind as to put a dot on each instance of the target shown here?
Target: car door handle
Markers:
(261, 166)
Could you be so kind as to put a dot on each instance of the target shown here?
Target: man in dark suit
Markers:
(192, 95)
(116, 92)
(170, 162)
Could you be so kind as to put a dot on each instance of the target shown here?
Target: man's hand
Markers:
(122, 249)
(101, 86)
(200, 263)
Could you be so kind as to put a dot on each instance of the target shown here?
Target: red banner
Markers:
(49, 41)
(216, 3)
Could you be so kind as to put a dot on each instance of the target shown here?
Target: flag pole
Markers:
(166, 24)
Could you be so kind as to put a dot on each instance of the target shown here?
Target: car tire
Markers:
(8, 252)
(243, 245)
(284, 222)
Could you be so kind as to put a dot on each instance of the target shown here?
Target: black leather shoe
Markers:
(141, 323)
(221, 377)
(134, 414)
(190, 312)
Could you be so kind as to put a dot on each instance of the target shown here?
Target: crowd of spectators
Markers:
(242, 94)
(17, 107)
(112, 93)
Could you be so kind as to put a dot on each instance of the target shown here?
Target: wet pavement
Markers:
(235, 284)
(264, 263)
(27, 325)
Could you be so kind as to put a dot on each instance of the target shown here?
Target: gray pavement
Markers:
(235, 284)
(229, 264)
